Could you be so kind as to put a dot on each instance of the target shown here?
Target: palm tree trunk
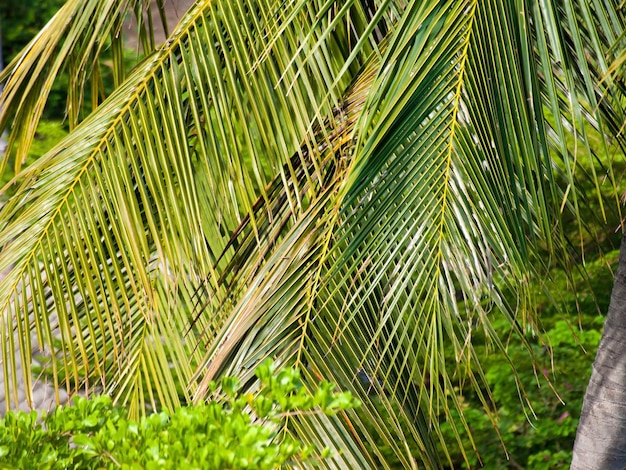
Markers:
(601, 436)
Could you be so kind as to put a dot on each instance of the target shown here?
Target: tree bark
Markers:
(601, 435)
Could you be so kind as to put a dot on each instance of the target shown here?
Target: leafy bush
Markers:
(235, 430)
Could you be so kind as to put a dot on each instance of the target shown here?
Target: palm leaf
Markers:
(76, 41)
(276, 181)
(130, 213)
(437, 205)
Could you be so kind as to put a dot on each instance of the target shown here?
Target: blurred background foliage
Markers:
(19, 23)
(537, 429)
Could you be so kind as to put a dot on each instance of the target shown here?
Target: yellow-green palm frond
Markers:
(358, 188)
(74, 41)
(219, 117)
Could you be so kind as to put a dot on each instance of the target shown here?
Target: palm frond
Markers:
(74, 41)
(131, 226)
(452, 191)
(280, 180)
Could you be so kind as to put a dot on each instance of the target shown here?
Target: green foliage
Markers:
(48, 134)
(20, 22)
(319, 183)
(234, 430)
(540, 437)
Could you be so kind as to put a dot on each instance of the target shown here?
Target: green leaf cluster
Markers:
(233, 430)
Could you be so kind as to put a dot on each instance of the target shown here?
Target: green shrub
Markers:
(236, 430)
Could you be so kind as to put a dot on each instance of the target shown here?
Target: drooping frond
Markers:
(452, 190)
(75, 41)
(359, 188)
(131, 226)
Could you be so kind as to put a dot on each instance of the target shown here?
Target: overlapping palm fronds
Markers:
(353, 187)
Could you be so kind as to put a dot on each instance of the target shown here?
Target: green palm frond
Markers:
(74, 41)
(151, 216)
(359, 189)
(438, 206)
